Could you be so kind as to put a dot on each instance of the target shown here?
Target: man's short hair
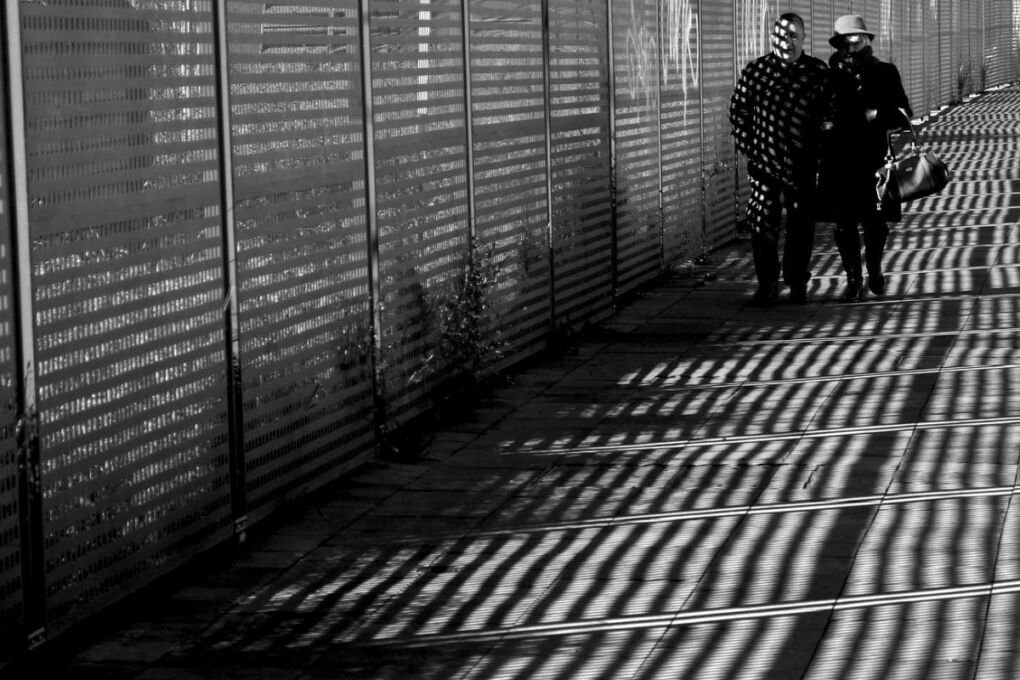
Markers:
(791, 17)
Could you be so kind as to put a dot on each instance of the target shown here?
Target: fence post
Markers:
(983, 17)
(469, 122)
(371, 220)
(614, 246)
(924, 60)
(33, 565)
(235, 416)
(547, 92)
(658, 132)
(702, 178)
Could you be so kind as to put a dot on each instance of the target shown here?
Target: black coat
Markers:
(776, 111)
(868, 97)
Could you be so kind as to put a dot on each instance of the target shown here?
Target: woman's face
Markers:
(856, 42)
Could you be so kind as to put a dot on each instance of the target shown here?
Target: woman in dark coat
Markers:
(869, 101)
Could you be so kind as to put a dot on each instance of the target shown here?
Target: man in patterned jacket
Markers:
(778, 111)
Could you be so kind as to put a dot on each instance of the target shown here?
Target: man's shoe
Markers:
(799, 295)
(766, 295)
(876, 284)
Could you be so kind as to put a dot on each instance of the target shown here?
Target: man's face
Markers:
(788, 40)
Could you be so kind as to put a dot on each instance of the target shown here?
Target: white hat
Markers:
(849, 24)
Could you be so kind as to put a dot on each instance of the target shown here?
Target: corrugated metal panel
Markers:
(982, 55)
(1004, 44)
(972, 61)
(913, 70)
(636, 55)
(957, 45)
(682, 199)
(582, 242)
(874, 19)
(944, 56)
(511, 191)
(735, 33)
(823, 19)
(724, 25)
(933, 70)
(901, 32)
(882, 24)
(302, 254)
(421, 165)
(997, 47)
(125, 216)
(892, 36)
(11, 609)
(1013, 42)
(818, 20)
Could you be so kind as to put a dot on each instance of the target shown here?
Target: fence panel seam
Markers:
(235, 399)
(29, 463)
(371, 218)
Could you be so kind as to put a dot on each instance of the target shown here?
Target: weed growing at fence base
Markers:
(468, 340)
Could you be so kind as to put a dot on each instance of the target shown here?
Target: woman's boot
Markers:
(876, 284)
(848, 242)
(854, 291)
(876, 233)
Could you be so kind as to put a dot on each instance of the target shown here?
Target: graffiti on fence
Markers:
(680, 33)
(642, 70)
(754, 26)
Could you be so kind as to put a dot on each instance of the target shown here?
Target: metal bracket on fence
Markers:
(36, 638)
(241, 528)
(26, 432)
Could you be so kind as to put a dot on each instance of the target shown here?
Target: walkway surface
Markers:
(701, 490)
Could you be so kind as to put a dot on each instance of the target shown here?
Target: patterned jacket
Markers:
(777, 111)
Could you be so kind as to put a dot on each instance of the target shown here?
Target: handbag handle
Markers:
(890, 154)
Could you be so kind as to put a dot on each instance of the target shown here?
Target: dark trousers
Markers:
(848, 241)
(764, 214)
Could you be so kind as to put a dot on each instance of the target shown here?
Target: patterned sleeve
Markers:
(740, 111)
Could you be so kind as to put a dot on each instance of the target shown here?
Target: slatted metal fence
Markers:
(226, 227)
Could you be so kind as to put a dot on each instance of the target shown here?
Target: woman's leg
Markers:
(848, 242)
(876, 233)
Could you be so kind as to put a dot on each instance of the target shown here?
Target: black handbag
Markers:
(914, 174)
